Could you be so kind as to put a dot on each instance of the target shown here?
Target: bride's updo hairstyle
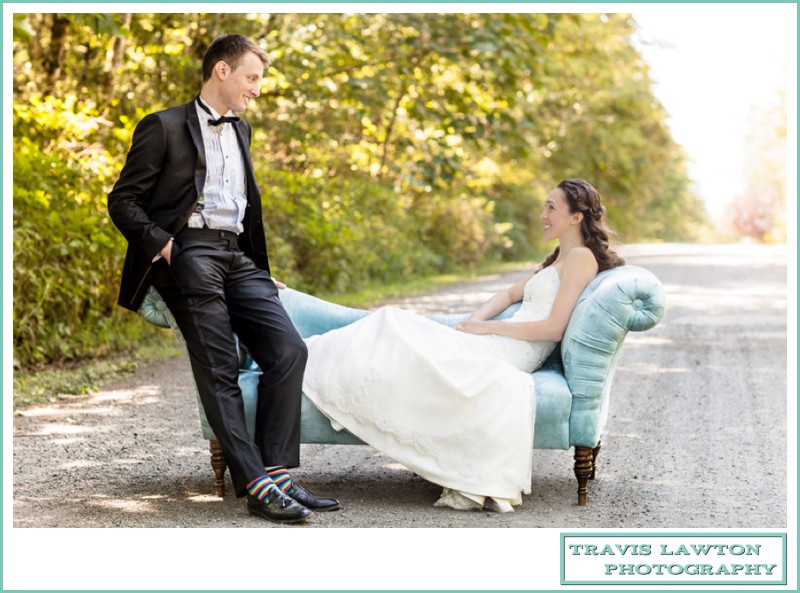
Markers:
(583, 198)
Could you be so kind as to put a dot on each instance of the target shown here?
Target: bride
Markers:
(457, 406)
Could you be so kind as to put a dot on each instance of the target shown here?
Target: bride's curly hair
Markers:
(582, 197)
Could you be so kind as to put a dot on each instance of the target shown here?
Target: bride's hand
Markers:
(479, 328)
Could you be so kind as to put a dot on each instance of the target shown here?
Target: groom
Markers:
(188, 204)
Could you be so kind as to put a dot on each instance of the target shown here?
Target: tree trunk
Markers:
(118, 51)
(55, 54)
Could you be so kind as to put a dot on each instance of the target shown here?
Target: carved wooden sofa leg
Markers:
(219, 464)
(584, 471)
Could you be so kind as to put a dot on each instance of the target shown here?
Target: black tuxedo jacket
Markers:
(158, 188)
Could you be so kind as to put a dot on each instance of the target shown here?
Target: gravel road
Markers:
(696, 438)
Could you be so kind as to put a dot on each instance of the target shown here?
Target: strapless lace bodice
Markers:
(540, 293)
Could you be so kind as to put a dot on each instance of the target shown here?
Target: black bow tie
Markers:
(223, 120)
(220, 120)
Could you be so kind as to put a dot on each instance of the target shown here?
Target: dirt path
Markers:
(696, 437)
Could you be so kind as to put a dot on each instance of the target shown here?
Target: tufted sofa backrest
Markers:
(627, 298)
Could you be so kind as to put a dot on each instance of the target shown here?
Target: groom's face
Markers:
(240, 86)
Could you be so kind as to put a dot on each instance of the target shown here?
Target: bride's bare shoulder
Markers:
(580, 259)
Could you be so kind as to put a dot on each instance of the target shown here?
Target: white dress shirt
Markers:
(224, 200)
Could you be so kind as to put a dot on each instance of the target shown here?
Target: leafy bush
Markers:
(333, 235)
(459, 229)
(67, 254)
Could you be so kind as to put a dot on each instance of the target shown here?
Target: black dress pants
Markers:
(215, 291)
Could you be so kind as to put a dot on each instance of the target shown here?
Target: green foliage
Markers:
(459, 229)
(387, 146)
(67, 256)
(22, 27)
(333, 234)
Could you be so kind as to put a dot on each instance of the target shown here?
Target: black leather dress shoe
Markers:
(312, 501)
(278, 507)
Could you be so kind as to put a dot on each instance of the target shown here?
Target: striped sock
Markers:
(282, 479)
(260, 486)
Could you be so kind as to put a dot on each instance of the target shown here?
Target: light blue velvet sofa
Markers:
(573, 388)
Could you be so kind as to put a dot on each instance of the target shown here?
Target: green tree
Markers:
(387, 146)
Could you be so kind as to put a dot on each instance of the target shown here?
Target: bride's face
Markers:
(556, 216)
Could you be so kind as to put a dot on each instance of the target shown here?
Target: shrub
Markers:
(333, 235)
(67, 253)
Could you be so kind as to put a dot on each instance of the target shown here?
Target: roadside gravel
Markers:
(696, 437)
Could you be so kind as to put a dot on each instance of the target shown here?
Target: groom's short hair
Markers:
(230, 49)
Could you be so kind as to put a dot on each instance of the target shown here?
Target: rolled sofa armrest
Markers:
(155, 310)
(627, 298)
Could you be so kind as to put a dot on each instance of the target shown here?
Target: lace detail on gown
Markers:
(455, 408)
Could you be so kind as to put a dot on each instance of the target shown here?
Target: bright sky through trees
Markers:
(715, 67)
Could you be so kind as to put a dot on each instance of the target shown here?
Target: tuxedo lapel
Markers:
(244, 145)
(193, 124)
(244, 142)
(199, 165)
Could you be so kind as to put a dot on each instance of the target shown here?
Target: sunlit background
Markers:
(726, 75)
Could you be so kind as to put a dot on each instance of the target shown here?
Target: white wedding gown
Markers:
(455, 408)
